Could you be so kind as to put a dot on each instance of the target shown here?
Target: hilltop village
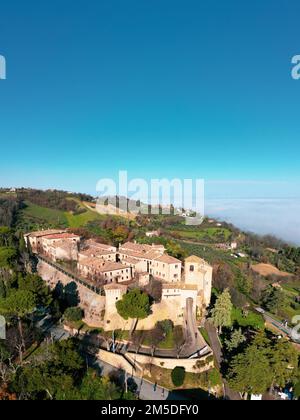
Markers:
(109, 272)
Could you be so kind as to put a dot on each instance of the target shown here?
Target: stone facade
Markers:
(131, 264)
(198, 272)
(92, 304)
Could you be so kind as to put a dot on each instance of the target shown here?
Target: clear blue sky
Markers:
(162, 88)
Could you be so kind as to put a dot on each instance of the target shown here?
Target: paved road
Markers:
(217, 349)
(194, 342)
(277, 324)
(146, 390)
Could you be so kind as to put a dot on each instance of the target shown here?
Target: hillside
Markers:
(231, 252)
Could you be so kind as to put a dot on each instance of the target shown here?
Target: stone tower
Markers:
(113, 293)
(198, 272)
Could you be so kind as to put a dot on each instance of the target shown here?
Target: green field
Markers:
(35, 217)
(79, 220)
(211, 234)
(33, 214)
(249, 319)
(291, 308)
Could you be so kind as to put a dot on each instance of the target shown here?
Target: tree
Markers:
(6, 236)
(263, 364)
(7, 257)
(157, 336)
(250, 372)
(223, 276)
(221, 313)
(19, 303)
(53, 376)
(94, 387)
(120, 234)
(178, 339)
(175, 250)
(243, 283)
(273, 299)
(36, 285)
(5, 395)
(284, 363)
(297, 390)
(166, 325)
(135, 304)
(178, 375)
(73, 314)
(137, 339)
(237, 338)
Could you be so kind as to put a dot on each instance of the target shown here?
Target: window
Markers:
(192, 268)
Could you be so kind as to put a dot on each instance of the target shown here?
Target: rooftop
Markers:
(94, 252)
(195, 259)
(180, 286)
(64, 235)
(113, 286)
(95, 244)
(40, 233)
(102, 266)
(130, 260)
(167, 259)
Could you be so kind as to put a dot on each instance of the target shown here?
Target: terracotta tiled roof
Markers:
(168, 259)
(97, 245)
(140, 248)
(41, 233)
(133, 254)
(94, 252)
(64, 235)
(194, 259)
(112, 286)
(180, 286)
(63, 244)
(130, 260)
(102, 266)
(150, 255)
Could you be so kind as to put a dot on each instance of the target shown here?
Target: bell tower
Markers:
(198, 272)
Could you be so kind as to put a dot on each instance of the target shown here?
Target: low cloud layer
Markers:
(279, 217)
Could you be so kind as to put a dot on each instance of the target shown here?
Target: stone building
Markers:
(131, 265)
(198, 272)
(104, 271)
(54, 244)
(166, 268)
(34, 239)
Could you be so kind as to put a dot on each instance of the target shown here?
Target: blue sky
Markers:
(161, 88)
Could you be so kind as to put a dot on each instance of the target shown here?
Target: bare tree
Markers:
(137, 339)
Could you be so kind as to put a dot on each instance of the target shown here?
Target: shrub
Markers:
(214, 377)
(297, 390)
(178, 375)
(166, 325)
(73, 314)
(209, 359)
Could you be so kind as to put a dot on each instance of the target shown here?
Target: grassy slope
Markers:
(211, 234)
(34, 215)
(39, 215)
